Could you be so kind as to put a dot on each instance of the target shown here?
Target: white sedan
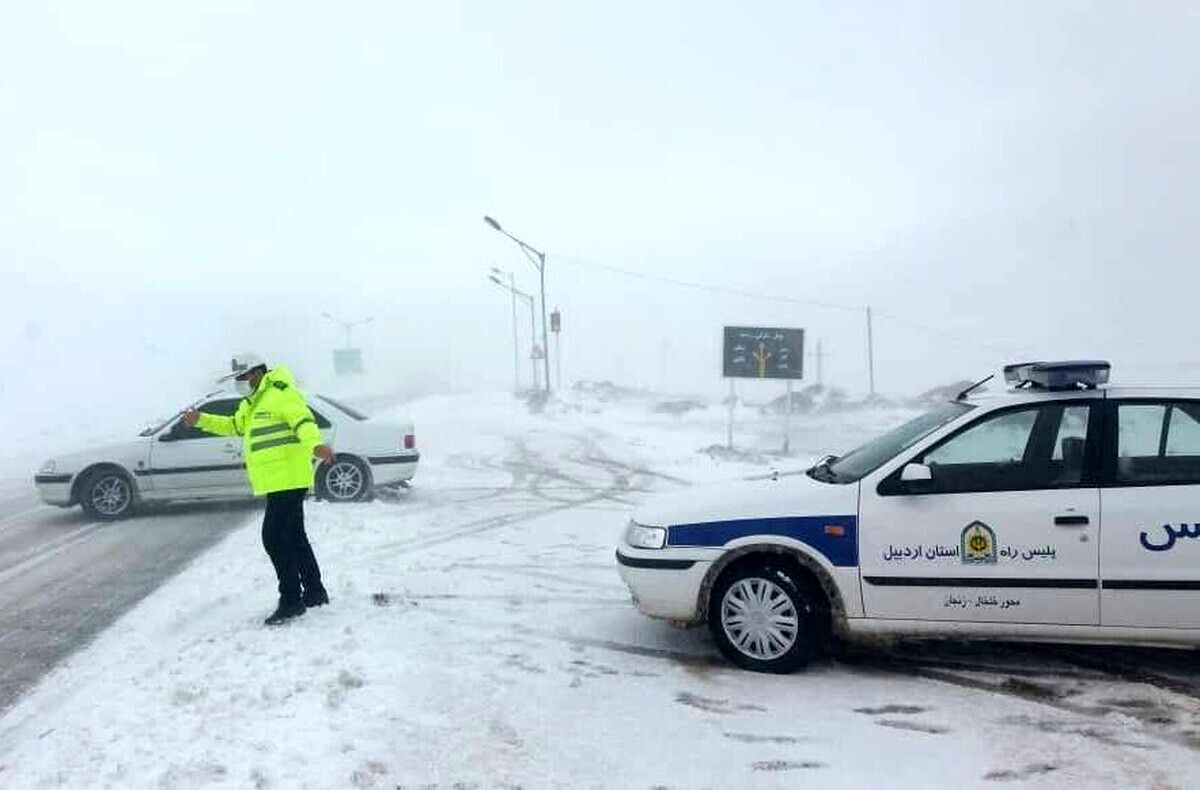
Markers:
(172, 461)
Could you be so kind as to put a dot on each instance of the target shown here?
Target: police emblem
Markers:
(978, 544)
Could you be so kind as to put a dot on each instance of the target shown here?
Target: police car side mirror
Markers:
(916, 473)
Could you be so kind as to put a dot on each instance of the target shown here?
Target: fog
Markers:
(996, 180)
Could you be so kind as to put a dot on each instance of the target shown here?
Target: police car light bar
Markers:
(1017, 373)
(1087, 374)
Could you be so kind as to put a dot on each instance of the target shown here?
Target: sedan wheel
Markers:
(344, 481)
(760, 619)
(763, 620)
(107, 495)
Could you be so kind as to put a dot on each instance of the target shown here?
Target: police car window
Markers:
(1139, 429)
(1158, 443)
(860, 462)
(1072, 432)
(999, 440)
(1036, 447)
(1183, 433)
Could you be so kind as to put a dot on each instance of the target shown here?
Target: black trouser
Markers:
(286, 544)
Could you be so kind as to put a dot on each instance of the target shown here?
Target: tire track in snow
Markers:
(1021, 683)
(525, 462)
(710, 660)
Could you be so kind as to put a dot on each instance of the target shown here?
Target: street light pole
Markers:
(538, 259)
(348, 325)
(870, 354)
(512, 286)
(515, 291)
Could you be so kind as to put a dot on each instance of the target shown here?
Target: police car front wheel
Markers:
(763, 620)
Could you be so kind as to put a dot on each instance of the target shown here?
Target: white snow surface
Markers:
(479, 636)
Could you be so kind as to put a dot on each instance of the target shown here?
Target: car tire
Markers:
(107, 494)
(763, 620)
(345, 480)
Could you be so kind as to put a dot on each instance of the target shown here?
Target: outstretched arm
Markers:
(214, 423)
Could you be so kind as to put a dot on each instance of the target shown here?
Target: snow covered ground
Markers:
(479, 636)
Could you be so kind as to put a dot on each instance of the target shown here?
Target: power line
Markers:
(709, 288)
(781, 299)
(949, 335)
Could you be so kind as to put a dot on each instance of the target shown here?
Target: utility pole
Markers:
(533, 346)
(556, 328)
(512, 287)
(870, 354)
(787, 421)
(545, 330)
(819, 355)
(515, 291)
(732, 405)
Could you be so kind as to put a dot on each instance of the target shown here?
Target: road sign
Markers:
(556, 322)
(757, 352)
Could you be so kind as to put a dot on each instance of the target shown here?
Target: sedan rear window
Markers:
(353, 414)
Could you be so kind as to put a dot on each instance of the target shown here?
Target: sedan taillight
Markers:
(410, 442)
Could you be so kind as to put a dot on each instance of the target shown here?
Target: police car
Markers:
(171, 461)
(1062, 509)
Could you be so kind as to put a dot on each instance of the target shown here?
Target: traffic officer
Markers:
(279, 439)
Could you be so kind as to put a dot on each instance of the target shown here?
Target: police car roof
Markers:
(1031, 394)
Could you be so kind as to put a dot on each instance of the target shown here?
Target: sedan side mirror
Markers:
(916, 473)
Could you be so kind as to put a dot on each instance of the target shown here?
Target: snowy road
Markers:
(64, 578)
(479, 636)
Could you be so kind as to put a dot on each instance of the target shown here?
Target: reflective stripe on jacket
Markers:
(278, 433)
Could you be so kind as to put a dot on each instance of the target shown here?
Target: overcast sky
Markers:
(997, 180)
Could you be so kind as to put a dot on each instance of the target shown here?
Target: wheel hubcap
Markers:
(344, 481)
(760, 619)
(110, 496)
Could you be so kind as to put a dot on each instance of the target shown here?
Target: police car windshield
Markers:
(859, 463)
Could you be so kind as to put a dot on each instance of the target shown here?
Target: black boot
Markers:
(315, 596)
(284, 612)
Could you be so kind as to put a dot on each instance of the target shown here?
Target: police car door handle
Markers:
(229, 448)
(1070, 521)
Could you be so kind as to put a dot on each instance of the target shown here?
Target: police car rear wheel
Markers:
(763, 621)
(345, 480)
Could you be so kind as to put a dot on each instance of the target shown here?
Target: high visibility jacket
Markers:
(278, 433)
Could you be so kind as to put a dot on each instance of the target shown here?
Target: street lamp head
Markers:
(495, 225)
(495, 279)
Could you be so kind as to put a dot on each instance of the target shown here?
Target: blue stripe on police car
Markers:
(835, 537)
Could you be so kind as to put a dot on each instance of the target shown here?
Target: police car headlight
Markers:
(645, 537)
(48, 467)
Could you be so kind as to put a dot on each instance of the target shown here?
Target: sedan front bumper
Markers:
(665, 587)
(54, 489)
